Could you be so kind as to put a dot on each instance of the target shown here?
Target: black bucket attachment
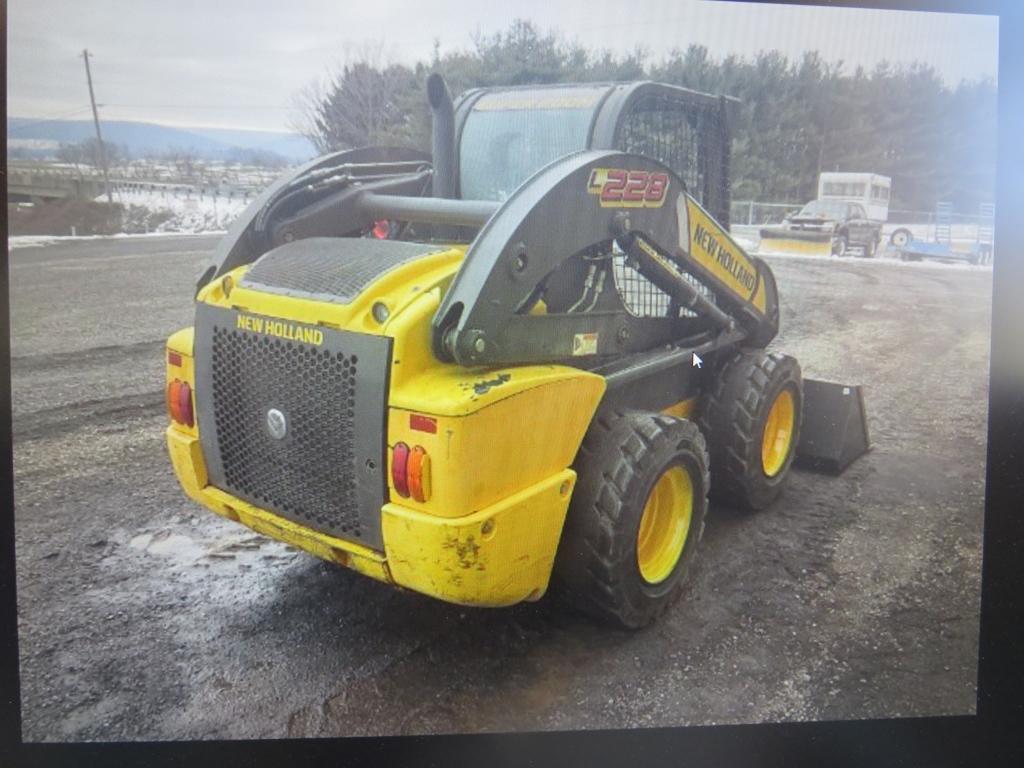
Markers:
(834, 431)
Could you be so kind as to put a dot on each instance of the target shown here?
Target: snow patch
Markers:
(30, 241)
(174, 211)
(748, 245)
(888, 260)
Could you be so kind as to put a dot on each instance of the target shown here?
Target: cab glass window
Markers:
(510, 135)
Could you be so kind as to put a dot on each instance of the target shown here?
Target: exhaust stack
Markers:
(442, 136)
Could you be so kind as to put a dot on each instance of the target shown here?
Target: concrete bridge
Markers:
(35, 182)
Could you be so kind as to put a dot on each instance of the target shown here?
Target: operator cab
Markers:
(505, 135)
(500, 146)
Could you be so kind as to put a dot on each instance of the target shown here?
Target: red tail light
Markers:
(400, 469)
(381, 229)
(185, 405)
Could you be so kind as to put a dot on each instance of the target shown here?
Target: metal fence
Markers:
(124, 191)
(755, 213)
(751, 212)
(136, 177)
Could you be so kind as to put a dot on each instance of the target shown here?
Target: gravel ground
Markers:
(141, 616)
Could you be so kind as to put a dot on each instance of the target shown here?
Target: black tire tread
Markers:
(625, 447)
(729, 417)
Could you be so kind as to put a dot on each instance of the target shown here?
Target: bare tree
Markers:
(364, 101)
(185, 161)
(86, 152)
(71, 153)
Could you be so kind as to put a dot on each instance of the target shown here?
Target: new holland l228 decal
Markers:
(620, 188)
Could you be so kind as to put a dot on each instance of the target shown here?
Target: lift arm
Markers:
(588, 204)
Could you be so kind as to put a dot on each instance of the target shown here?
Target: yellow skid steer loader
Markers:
(531, 354)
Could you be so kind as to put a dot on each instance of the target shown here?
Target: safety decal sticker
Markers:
(584, 344)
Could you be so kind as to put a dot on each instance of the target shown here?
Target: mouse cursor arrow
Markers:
(696, 360)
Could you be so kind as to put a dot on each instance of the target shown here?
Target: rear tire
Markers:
(641, 475)
(900, 237)
(752, 432)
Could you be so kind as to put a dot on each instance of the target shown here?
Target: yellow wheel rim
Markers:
(778, 433)
(664, 525)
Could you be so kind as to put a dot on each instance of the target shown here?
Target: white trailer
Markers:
(869, 189)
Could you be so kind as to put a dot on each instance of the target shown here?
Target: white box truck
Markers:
(869, 189)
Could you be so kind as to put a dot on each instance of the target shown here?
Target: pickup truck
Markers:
(841, 225)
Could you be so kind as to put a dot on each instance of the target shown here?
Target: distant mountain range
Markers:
(37, 138)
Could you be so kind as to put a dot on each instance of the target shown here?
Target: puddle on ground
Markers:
(182, 549)
(174, 545)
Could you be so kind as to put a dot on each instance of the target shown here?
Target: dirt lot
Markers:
(142, 616)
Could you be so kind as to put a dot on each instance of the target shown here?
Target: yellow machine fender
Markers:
(500, 555)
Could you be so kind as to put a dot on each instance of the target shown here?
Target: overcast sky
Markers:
(238, 63)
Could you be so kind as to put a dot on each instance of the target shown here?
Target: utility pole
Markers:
(99, 136)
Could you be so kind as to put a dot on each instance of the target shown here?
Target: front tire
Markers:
(635, 518)
(839, 243)
(751, 416)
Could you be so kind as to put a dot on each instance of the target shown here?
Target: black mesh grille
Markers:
(688, 138)
(642, 298)
(309, 474)
(329, 268)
